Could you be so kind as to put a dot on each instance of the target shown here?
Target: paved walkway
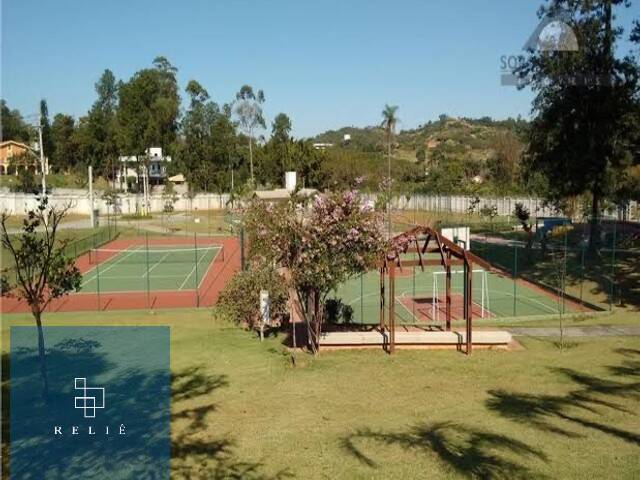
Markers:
(587, 331)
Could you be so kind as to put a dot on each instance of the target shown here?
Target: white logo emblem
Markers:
(91, 399)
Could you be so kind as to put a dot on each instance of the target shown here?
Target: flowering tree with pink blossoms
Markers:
(321, 242)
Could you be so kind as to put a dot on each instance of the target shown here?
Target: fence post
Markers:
(97, 272)
(564, 272)
(146, 236)
(195, 249)
(361, 298)
(613, 264)
(582, 272)
(413, 295)
(209, 226)
(515, 275)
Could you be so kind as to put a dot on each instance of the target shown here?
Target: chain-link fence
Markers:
(152, 271)
(558, 268)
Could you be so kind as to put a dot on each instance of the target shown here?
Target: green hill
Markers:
(457, 154)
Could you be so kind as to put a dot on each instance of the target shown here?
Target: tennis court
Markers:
(149, 268)
(420, 297)
(148, 272)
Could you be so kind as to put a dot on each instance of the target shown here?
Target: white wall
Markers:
(18, 203)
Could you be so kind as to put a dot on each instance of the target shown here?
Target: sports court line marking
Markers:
(413, 298)
(191, 273)
(211, 265)
(124, 277)
(156, 264)
(519, 297)
(110, 266)
(136, 292)
(413, 316)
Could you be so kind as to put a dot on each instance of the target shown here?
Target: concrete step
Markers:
(481, 337)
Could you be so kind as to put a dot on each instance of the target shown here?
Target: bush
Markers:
(335, 310)
(26, 182)
(332, 308)
(240, 299)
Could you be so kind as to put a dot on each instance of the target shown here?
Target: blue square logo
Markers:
(107, 411)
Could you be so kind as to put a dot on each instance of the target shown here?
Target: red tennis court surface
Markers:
(214, 280)
(422, 309)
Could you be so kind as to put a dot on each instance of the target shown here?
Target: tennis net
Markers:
(152, 255)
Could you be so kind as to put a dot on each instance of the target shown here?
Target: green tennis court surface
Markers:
(158, 268)
(494, 296)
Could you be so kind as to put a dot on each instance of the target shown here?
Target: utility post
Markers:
(93, 220)
(42, 165)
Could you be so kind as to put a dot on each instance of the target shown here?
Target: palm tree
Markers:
(389, 121)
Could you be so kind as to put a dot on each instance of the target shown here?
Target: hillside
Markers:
(470, 138)
(451, 153)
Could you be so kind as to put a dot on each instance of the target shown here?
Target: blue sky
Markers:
(326, 63)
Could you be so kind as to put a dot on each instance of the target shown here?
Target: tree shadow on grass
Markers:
(194, 453)
(4, 385)
(194, 382)
(578, 407)
(630, 367)
(469, 452)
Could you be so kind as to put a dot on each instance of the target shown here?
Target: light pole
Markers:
(42, 166)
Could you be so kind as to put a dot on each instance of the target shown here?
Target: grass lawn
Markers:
(405, 219)
(15, 221)
(240, 409)
(209, 222)
(71, 234)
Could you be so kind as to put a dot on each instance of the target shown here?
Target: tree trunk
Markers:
(251, 158)
(42, 357)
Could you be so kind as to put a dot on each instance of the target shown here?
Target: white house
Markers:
(133, 166)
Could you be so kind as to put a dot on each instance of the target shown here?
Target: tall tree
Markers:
(148, 109)
(47, 142)
(208, 141)
(64, 157)
(107, 89)
(12, 126)
(281, 128)
(96, 135)
(277, 156)
(503, 166)
(248, 109)
(389, 122)
(585, 114)
(197, 122)
(42, 270)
